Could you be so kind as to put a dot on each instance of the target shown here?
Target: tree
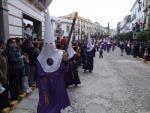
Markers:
(129, 36)
(124, 36)
(143, 36)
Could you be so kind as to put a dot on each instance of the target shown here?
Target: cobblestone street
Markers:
(118, 84)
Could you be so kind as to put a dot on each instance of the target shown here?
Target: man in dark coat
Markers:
(88, 57)
(3, 78)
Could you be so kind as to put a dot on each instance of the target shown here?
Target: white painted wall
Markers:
(16, 9)
(139, 14)
(125, 27)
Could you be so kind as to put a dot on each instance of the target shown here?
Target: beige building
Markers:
(83, 26)
(61, 26)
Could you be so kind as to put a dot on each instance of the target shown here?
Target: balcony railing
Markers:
(40, 4)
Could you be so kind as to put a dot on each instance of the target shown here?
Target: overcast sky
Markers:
(102, 11)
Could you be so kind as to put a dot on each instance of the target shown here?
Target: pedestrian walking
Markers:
(122, 48)
(101, 52)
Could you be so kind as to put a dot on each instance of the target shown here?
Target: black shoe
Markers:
(76, 85)
(18, 99)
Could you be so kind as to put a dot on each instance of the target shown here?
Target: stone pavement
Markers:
(118, 84)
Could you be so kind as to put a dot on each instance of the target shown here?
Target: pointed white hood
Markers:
(49, 50)
(70, 50)
(90, 46)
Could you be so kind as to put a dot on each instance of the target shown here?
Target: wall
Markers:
(147, 4)
(63, 25)
(16, 10)
(139, 14)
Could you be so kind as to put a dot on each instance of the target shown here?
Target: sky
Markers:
(102, 11)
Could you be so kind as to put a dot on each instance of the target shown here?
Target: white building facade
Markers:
(21, 12)
(125, 24)
(137, 15)
(97, 28)
(118, 27)
(136, 20)
(104, 30)
(83, 27)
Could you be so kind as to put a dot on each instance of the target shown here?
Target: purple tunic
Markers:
(57, 97)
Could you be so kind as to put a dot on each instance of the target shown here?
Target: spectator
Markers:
(15, 68)
(25, 67)
(29, 31)
(3, 77)
(63, 42)
(33, 53)
(24, 30)
(37, 46)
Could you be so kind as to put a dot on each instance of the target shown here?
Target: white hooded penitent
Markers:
(70, 50)
(90, 46)
(49, 51)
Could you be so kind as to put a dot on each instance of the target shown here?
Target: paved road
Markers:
(118, 84)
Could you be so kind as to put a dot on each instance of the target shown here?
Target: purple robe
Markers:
(57, 97)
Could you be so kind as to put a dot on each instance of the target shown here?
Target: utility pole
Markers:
(4, 27)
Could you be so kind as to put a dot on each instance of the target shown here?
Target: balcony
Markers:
(32, 1)
(40, 4)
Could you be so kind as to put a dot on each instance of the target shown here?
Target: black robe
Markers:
(88, 60)
(72, 76)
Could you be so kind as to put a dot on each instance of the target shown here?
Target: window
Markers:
(68, 29)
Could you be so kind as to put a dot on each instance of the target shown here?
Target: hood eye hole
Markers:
(50, 61)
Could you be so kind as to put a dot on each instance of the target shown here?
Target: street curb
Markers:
(147, 62)
(15, 102)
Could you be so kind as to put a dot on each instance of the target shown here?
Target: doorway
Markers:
(34, 25)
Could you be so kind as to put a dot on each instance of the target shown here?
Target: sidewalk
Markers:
(14, 103)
